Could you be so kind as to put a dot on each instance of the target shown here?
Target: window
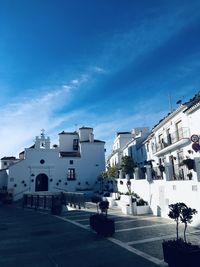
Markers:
(71, 174)
(5, 163)
(75, 144)
(147, 147)
(169, 139)
(71, 162)
(160, 140)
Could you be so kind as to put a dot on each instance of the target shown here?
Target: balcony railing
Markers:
(171, 139)
(157, 173)
(177, 172)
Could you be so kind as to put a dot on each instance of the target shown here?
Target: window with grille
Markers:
(71, 174)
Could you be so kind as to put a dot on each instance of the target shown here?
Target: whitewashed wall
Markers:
(161, 193)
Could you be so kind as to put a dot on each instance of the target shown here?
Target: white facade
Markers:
(134, 148)
(8, 161)
(163, 176)
(73, 165)
(125, 144)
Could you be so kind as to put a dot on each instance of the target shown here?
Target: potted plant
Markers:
(179, 252)
(189, 163)
(127, 166)
(100, 223)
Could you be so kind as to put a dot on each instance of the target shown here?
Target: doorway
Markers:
(41, 182)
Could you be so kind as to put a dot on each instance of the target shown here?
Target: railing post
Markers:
(45, 202)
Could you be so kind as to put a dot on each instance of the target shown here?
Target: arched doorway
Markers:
(41, 182)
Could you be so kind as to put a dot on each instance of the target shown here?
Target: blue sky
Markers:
(108, 64)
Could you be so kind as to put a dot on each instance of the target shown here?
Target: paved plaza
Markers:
(38, 239)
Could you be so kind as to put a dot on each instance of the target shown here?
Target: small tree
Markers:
(186, 217)
(96, 200)
(175, 213)
(104, 205)
(112, 171)
(127, 165)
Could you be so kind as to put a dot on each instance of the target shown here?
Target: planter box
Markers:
(179, 254)
(126, 209)
(102, 225)
(142, 210)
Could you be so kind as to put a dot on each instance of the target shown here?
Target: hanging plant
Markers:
(189, 175)
(128, 182)
(161, 168)
(189, 163)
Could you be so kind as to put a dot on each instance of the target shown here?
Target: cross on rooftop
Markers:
(42, 132)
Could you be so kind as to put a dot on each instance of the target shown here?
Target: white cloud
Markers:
(98, 69)
(75, 82)
(22, 120)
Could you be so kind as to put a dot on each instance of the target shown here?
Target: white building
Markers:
(72, 165)
(172, 161)
(122, 138)
(125, 144)
(134, 148)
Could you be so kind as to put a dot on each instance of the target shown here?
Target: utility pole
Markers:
(170, 102)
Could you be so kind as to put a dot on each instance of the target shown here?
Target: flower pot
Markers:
(180, 254)
(102, 225)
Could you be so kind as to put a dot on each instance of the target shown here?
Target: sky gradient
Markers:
(108, 64)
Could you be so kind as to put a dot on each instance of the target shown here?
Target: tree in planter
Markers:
(180, 253)
(100, 223)
(175, 212)
(186, 217)
(127, 165)
(96, 200)
(103, 206)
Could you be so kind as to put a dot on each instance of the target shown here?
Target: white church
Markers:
(72, 165)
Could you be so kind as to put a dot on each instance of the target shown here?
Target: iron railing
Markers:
(171, 139)
(177, 172)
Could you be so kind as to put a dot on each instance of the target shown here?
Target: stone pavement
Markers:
(38, 239)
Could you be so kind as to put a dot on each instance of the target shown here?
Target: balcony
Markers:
(172, 141)
(157, 173)
(177, 172)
